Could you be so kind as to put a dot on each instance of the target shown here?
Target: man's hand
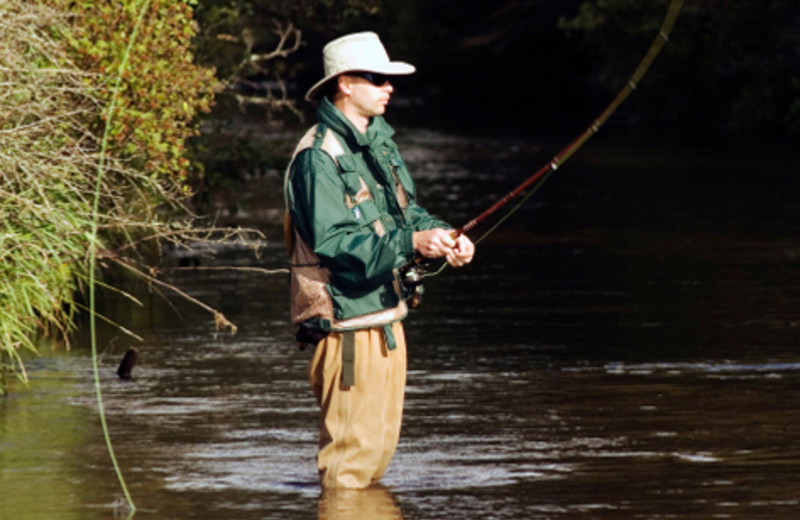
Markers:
(462, 253)
(437, 243)
(433, 243)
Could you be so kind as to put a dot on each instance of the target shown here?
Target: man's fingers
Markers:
(462, 253)
(446, 240)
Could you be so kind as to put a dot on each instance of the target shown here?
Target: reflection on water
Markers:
(376, 503)
(624, 348)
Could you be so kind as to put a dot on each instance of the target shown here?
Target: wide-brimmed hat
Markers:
(362, 52)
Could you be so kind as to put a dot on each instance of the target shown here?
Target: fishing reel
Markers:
(411, 276)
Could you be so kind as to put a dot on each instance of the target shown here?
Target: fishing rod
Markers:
(413, 273)
(567, 152)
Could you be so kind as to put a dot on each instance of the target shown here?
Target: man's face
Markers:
(368, 98)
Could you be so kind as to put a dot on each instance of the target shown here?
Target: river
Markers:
(624, 347)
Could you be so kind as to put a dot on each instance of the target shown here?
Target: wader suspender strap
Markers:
(391, 343)
(348, 358)
(349, 353)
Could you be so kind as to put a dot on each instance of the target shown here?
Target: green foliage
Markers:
(163, 90)
(57, 70)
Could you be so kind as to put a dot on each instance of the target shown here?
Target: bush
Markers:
(58, 72)
(162, 89)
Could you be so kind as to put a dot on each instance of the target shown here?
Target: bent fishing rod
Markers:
(413, 273)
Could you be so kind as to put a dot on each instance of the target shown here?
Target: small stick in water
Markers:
(128, 361)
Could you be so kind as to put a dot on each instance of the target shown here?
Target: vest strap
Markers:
(322, 128)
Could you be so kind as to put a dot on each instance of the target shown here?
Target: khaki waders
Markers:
(359, 424)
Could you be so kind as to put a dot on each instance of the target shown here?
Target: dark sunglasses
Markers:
(375, 78)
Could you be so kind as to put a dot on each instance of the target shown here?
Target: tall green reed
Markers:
(93, 248)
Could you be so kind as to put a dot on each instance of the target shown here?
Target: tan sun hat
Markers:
(361, 51)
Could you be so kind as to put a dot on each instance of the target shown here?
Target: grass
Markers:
(43, 205)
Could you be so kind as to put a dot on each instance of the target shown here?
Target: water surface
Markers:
(625, 347)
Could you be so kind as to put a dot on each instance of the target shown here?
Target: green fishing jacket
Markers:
(352, 208)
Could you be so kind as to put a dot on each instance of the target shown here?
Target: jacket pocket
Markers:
(348, 305)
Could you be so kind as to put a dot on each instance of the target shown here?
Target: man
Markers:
(352, 222)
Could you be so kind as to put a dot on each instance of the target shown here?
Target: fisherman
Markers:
(352, 221)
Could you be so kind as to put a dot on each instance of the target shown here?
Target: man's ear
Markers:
(344, 85)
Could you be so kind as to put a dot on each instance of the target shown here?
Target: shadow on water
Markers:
(625, 347)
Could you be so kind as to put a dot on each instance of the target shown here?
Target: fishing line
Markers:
(92, 236)
(537, 179)
(499, 223)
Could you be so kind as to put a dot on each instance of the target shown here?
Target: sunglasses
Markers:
(375, 78)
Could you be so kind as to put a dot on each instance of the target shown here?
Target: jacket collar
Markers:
(378, 130)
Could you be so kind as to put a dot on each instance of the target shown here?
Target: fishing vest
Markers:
(310, 300)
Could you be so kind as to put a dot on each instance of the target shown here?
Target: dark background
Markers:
(729, 76)
(732, 66)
